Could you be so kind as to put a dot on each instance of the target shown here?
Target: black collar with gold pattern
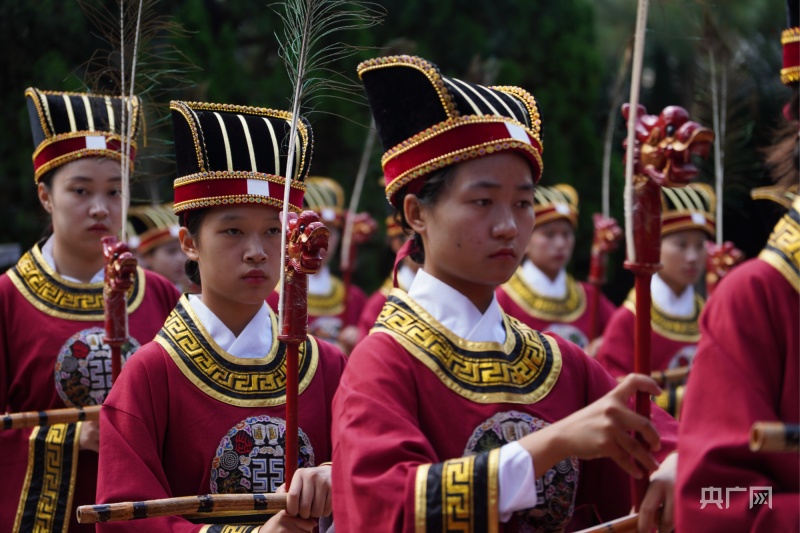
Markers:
(783, 248)
(233, 380)
(522, 370)
(55, 296)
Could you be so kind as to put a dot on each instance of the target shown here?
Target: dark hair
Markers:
(427, 195)
(191, 220)
(47, 181)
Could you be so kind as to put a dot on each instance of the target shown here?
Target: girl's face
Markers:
(550, 247)
(683, 256)
(169, 260)
(238, 250)
(85, 203)
(476, 231)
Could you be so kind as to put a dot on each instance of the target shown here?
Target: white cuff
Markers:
(516, 481)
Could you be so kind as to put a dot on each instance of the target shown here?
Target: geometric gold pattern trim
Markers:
(783, 248)
(521, 370)
(558, 310)
(677, 328)
(55, 296)
(257, 382)
(330, 304)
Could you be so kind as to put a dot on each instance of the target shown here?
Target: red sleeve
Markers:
(745, 370)
(273, 300)
(167, 294)
(616, 350)
(133, 423)
(607, 310)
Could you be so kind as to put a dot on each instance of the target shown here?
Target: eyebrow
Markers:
(85, 179)
(495, 185)
(230, 217)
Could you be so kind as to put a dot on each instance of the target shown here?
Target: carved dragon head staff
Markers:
(665, 143)
(306, 238)
(607, 234)
(120, 265)
(364, 226)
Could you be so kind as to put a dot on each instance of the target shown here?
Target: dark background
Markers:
(567, 53)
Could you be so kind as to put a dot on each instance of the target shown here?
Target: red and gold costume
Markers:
(54, 356)
(674, 336)
(568, 313)
(423, 414)
(746, 370)
(52, 348)
(188, 418)
(420, 415)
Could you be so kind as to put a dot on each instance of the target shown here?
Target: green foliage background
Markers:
(566, 53)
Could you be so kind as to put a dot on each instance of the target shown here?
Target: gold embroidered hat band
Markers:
(690, 207)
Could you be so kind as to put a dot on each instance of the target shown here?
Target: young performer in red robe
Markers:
(451, 414)
(202, 408)
(744, 374)
(51, 311)
(747, 367)
(688, 221)
(541, 294)
(153, 236)
(330, 310)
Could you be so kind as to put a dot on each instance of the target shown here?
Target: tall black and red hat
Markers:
(427, 121)
(790, 40)
(68, 126)
(228, 154)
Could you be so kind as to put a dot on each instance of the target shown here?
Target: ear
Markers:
(188, 244)
(45, 198)
(415, 213)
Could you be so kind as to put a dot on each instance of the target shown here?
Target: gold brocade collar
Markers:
(522, 370)
(783, 248)
(676, 328)
(233, 380)
(55, 296)
(330, 304)
(557, 310)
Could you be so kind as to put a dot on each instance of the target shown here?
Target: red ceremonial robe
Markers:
(52, 356)
(420, 415)
(567, 317)
(746, 370)
(673, 340)
(327, 313)
(186, 418)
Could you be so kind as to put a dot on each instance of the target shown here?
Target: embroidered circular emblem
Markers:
(326, 328)
(250, 457)
(684, 357)
(570, 333)
(556, 489)
(83, 367)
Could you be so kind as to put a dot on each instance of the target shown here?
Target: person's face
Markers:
(169, 260)
(551, 245)
(476, 231)
(238, 251)
(84, 202)
(683, 256)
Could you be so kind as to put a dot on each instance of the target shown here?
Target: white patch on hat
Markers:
(518, 133)
(96, 142)
(561, 209)
(258, 187)
(134, 241)
(173, 230)
(698, 219)
(328, 214)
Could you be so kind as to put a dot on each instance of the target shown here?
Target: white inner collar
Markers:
(320, 283)
(668, 301)
(254, 342)
(47, 255)
(541, 283)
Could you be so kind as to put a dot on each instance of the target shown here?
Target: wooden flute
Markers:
(774, 437)
(208, 505)
(68, 415)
